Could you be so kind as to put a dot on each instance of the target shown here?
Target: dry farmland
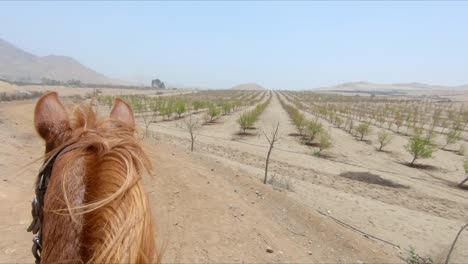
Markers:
(333, 193)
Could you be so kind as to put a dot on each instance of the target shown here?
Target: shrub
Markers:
(384, 138)
(213, 112)
(167, 109)
(363, 129)
(338, 121)
(248, 118)
(314, 127)
(325, 141)
(245, 120)
(452, 137)
(179, 107)
(299, 120)
(414, 258)
(420, 147)
(197, 105)
(227, 108)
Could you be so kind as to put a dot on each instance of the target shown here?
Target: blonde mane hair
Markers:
(95, 208)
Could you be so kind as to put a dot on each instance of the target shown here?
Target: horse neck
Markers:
(62, 229)
(106, 230)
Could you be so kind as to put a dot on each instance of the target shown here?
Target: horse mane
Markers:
(96, 190)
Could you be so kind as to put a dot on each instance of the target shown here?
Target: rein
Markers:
(38, 202)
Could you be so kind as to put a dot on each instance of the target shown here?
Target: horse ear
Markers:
(50, 117)
(123, 112)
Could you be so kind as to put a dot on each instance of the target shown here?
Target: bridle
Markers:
(38, 202)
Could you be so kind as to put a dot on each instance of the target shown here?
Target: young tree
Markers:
(363, 129)
(227, 108)
(349, 124)
(271, 140)
(148, 119)
(167, 109)
(452, 137)
(325, 141)
(197, 105)
(420, 147)
(213, 112)
(398, 121)
(245, 121)
(299, 120)
(191, 124)
(384, 138)
(179, 108)
(338, 121)
(313, 129)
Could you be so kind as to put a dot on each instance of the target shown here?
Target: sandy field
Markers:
(210, 205)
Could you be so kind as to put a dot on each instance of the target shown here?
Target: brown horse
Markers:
(95, 209)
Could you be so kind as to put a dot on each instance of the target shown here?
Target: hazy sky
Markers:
(279, 45)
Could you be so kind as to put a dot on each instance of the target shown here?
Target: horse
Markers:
(90, 205)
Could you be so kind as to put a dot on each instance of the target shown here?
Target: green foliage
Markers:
(420, 147)
(452, 136)
(179, 107)
(213, 112)
(246, 120)
(414, 258)
(465, 166)
(227, 108)
(363, 129)
(314, 127)
(325, 141)
(198, 104)
(384, 138)
(167, 109)
(299, 120)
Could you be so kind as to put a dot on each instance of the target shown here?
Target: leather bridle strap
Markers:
(38, 202)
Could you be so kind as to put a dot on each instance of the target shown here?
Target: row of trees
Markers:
(450, 136)
(247, 119)
(309, 130)
(151, 109)
(420, 144)
(20, 95)
(392, 115)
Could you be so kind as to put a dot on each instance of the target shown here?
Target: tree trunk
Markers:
(412, 162)
(461, 183)
(193, 141)
(266, 164)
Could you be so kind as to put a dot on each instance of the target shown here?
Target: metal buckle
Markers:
(36, 249)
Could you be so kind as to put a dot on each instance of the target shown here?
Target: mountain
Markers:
(248, 87)
(19, 65)
(404, 87)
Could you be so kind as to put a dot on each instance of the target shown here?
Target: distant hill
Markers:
(406, 87)
(19, 65)
(248, 87)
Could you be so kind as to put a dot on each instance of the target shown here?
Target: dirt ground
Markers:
(210, 205)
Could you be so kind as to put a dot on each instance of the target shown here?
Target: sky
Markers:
(279, 45)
